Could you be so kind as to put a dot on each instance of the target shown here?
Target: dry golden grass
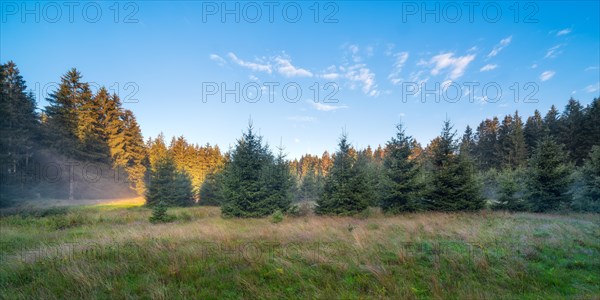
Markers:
(406, 256)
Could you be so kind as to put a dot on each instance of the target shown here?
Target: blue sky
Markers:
(366, 59)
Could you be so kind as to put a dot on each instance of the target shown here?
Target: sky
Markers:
(303, 72)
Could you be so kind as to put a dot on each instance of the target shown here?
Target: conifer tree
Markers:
(249, 188)
(452, 185)
(534, 131)
(518, 154)
(168, 185)
(210, 190)
(344, 184)
(62, 114)
(548, 177)
(19, 130)
(511, 190)
(572, 132)
(587, 193)
(552, 122)
(311, 185)
(400, 188)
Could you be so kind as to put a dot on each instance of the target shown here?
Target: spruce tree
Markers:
(534, 131)
(311, 185)
(548, 178)
(249, 188)
(587, 192)
(19, 131)
(400, 186)
(453, 186)
(344, 184)
(210, 190)
(572, 132)
(62, 115)
(511, 189)
(168, 185)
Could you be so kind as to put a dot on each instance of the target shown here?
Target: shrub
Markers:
(159, 214)
(277, 217)
(301, 209)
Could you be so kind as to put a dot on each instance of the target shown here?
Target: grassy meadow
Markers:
(111, 251)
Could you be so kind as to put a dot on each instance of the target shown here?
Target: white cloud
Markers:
(285, 68)
(564, 32)
(218, 59)
(456, 65)
(302, 119)
(354, 51)
(554, 51)
(400, 59)
(330, 76)
(326, 107)
(503, 43)
(547, 75)
(359, 73)
(592, 88)
(250, 65)
(331, 73)
(591, 68)
(488, 67)
(253, 78)
(296, 140)
(534, 66)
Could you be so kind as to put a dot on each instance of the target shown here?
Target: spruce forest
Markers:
(541, 163)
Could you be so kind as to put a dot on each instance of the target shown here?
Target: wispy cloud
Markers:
(554, 51)
(564, 31)
(362, 75)
(503, 43)
(285, 68)
(591, 68)
(592, 88)
(250, 65)
(218, 59)
(547, 75)
(488, 67)
(456, 65)
(399, 60)
(331, 73)
(326, 107)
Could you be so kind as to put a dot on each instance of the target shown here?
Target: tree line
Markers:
(543, 164)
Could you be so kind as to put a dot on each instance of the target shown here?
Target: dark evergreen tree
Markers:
(511, 190)
(62, 128)
(248, 178)
(19, 130)
(587, 191)
(344, 184)
(551, 122)
(487, 146)
(534, 130)
(168, 185)
(518, 154)
(279, 182)
(370, 171)
(452, 185)
(400, 185)
(468, 143)
(311, 185)
(548, 177)
(572, 133)
(210, 190)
